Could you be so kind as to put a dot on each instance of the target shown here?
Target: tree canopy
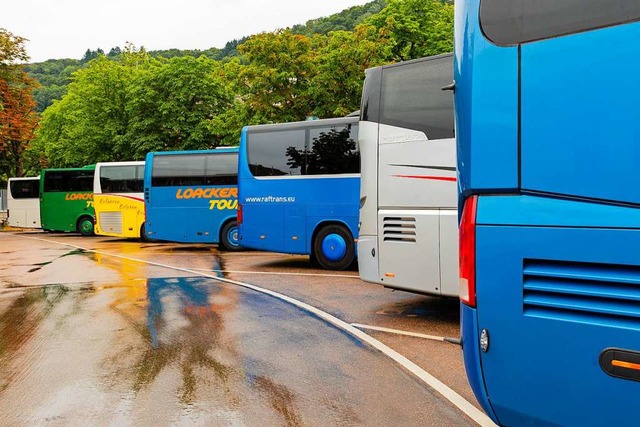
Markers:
(124, 103)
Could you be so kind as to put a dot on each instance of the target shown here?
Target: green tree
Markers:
(90, 123)
(274, 83)
(416, 28)
(340, 66)
(171, 107)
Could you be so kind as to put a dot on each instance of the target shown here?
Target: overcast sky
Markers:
(67, 28)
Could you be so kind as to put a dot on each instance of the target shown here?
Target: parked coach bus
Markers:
(66, 200)
(408, 194)
(299, 185)
(23, 203)
(192, 196)
(547, 125)
(117, 199)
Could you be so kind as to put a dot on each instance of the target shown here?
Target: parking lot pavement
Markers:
(98, 330)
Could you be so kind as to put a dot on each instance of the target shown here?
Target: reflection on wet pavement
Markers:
(39, 265)
(122, 342)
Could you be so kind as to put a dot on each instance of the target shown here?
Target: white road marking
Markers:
(398, 332)
(460, 402)
(277, 273)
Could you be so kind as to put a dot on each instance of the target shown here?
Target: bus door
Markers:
(558, 279)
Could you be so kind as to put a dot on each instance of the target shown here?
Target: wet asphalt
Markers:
(133, 334)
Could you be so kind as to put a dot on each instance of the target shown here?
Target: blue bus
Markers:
(299, 187)
(192, 196)
(548, 138)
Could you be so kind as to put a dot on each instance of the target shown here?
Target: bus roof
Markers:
(87, 167)
(217, 150)
(413, 61)
(131, 163)
(301, 124)
(24, 178)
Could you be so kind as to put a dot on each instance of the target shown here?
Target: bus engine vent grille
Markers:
(399, 229)
(603, 294)
(111, 222)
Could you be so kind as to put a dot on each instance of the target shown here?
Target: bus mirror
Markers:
(451, 87)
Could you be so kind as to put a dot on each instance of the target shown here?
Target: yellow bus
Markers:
(118, 199)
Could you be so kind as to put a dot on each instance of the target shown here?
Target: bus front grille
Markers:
(111, 222)
(399, 229)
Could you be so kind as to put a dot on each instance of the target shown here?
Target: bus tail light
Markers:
(468, 252)
(239, 214)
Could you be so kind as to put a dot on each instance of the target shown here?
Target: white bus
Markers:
(23, 202)
(118, 199)
(408, 195)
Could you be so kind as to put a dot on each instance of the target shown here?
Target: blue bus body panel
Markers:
(487, 75)
(281, 214)
(551, 308)
(581, 134)
(557, 260)
(547, 212)
(171, 217)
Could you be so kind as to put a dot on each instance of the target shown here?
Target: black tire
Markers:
(334, 256)
(227, 242)
(86, 226)
(143, 233)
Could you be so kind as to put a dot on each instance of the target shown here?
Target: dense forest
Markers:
(120, 104)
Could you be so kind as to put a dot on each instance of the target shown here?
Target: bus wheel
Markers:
(229, 239)
(333, 247)
(143, 233)
(85, 226)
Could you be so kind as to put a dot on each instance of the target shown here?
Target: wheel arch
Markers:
(224, 223)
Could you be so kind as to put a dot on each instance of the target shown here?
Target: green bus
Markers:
(66, 200)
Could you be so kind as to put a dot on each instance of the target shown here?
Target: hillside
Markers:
(55, 74)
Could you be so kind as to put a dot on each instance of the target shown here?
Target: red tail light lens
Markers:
(468, 252)
(239, 214)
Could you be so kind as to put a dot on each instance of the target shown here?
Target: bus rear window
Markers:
(319, 150)
(333, 150)
(412, 97)
(270, 153)
(25, 189)
(511, 22)
(178, 170)
(67, 181)
(194, 169)
(221, 169)
(121, 179)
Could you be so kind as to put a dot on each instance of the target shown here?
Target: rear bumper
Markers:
(471, 353)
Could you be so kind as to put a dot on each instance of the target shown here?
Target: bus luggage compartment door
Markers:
(408, 242)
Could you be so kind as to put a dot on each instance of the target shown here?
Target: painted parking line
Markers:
(445, 391)
(277, 273)
(399, 332)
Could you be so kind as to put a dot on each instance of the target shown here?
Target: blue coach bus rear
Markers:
(191, 196)
(548, 138)
(299, 187)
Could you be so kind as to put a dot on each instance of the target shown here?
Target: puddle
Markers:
(40, 265)
(183, 329)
